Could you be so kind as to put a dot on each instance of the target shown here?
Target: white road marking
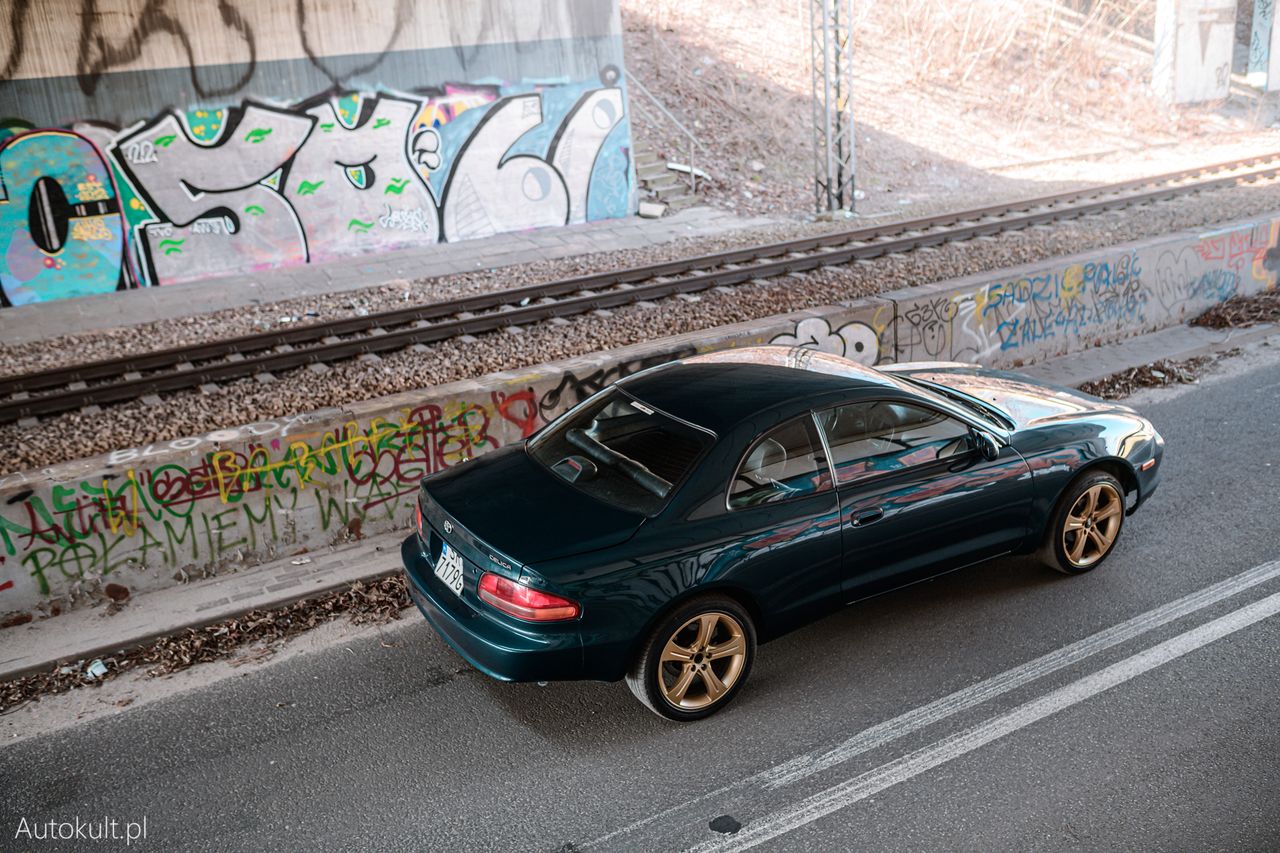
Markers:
(913, 764)
(918, 718)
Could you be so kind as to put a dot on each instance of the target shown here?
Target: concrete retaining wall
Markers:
(1043, 310)
(184, 141)
(147, 517)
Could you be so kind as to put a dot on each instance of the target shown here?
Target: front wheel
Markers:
(1086, 524)
(696, 660)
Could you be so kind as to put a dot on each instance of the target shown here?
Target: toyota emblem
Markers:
(448, 527)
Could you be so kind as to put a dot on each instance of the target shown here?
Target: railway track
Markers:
(133, 377)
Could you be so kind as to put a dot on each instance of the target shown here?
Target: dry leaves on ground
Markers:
(1163, 372)
(378, 601)
(1239, 311)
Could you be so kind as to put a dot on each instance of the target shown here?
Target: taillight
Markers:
(417, 506)
(523, 602)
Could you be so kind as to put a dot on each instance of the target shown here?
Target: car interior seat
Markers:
(766, 462)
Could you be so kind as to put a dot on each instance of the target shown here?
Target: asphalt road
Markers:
(1165, 734)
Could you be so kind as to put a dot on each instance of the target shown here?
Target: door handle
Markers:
(867, 516)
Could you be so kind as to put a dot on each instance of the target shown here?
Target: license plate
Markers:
(449, 568)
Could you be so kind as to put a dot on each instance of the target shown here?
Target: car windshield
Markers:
(984, 410)
(620, 451)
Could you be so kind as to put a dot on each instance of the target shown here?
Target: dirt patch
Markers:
(246, 638)
(947, 98)
(1240, 311)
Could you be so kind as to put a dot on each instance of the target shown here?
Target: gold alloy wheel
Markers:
(1092, 525)
(702, 661)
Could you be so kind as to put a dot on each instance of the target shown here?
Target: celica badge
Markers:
(448, 527)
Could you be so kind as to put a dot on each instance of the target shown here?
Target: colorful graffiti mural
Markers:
(61, 233)
(214, 191)
(235, 503)
(1065, 308)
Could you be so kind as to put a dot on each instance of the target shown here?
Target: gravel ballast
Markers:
(77, 435)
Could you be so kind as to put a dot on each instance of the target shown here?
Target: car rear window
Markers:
(620, 451)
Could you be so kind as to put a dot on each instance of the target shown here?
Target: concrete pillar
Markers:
(1264, 53)
(1193, 46)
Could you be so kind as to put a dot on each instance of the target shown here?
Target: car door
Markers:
(917, 496)
(784, 518)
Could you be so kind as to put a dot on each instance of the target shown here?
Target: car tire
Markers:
(1086, 524)
(690, 689)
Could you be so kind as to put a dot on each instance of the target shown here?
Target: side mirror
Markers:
(986, 444)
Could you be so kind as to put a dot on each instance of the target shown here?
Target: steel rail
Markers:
(541, 302)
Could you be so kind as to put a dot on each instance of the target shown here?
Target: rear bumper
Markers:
(484, 638)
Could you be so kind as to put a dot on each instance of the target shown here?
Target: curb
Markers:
(86, 633)
(1175, 343)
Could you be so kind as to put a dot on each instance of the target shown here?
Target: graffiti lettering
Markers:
(238, 501)
(573, 389)
(856, 340)
(216, 192)
(414, 219)
(488, 194)
(61, 233)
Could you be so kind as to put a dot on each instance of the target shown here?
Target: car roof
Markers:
(719, 390)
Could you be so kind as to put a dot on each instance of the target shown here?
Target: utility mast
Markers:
(831, 44)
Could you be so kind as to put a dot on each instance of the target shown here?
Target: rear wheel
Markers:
(696, 660)
(1085, 524)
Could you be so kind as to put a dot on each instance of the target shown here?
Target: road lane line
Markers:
(913, 764)
(969, 697)
(888, 731)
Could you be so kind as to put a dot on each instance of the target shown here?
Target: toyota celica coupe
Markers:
(663, 527)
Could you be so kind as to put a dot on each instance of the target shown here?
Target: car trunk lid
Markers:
(508, 510)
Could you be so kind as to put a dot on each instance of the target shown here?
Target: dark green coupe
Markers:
(660, 529)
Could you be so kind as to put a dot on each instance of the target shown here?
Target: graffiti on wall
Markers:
(99, 51)
(208, 192)
(1215, 268)
(61, 233)
(237, 502)
(856, 340)
(1045, 309)
(573, 387)
(1067, 308)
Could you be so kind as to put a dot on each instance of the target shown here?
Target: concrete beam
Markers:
(1194, 43)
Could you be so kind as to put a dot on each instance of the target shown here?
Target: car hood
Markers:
(512, 504)
(1027, 401)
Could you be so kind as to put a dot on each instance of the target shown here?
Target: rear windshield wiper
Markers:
(603, 455)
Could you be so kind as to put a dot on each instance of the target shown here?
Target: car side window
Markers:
(879, 436)
(786, 463)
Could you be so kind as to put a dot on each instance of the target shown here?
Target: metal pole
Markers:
(831, 51)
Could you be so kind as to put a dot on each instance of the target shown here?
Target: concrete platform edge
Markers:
(87, 633)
